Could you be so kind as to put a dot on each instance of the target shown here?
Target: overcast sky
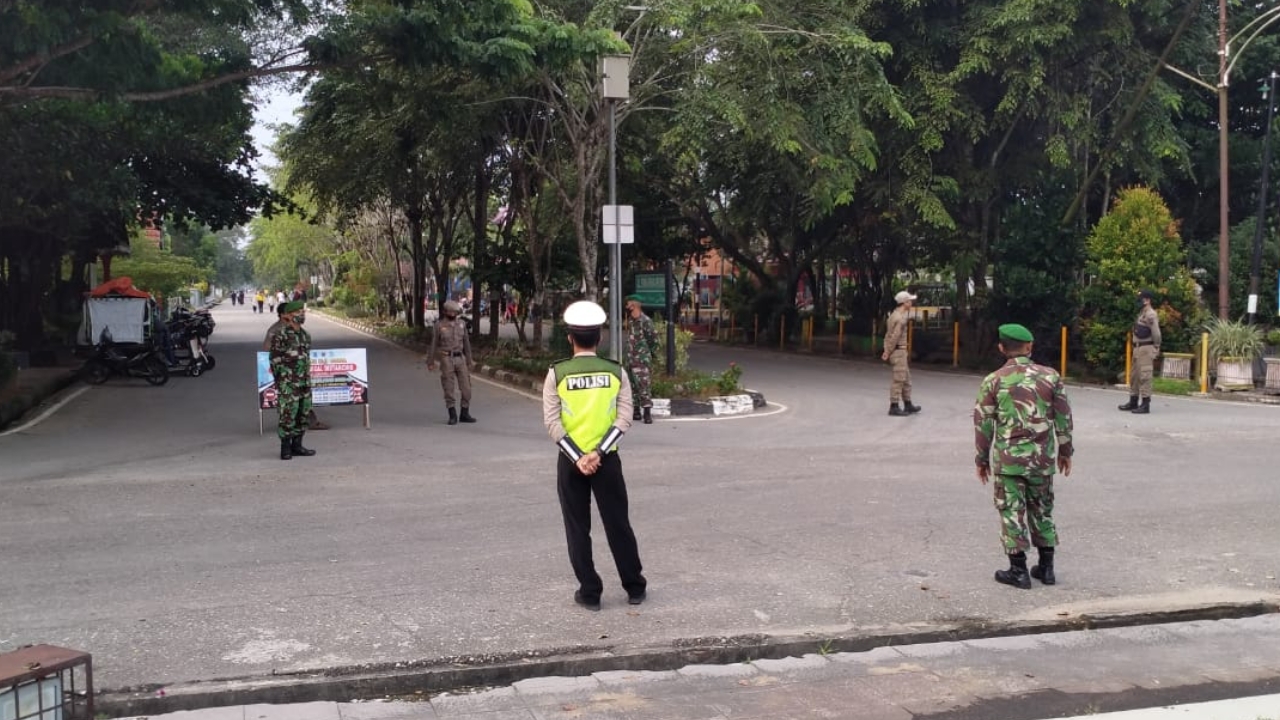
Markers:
(276, 106)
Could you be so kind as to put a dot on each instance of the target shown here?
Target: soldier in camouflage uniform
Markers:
(313, 422)
(642, 351)
(1022, 424)
(291, 368)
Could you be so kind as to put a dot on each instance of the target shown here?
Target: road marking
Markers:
(48, 411)
(1248, 708)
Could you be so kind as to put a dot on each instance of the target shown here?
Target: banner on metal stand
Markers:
(339, 376)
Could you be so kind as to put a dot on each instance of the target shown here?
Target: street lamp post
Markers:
(1256, 268)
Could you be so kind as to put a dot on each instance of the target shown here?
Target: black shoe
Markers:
(591, 604)
(453, 416)
(897, 411)
(1044, 571)
(637, 599)
(648, 416)
(465, 416)
(296, 447)
(1144, 408)
(636, 414)
(1017, 574)
(909, 408)
(286, 448)
(1133, 403)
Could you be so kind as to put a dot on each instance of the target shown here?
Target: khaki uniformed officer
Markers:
(895, 351)
(1146, 346)
(586, 406)
(453, 343)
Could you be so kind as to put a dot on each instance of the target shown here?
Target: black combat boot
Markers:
(648, 416)
(453, 416)
(1144, 408)
(286, 448)
(636, 413)
(466, 416)
(910, 408)
(1017, 574)
(1129, 406)
(897, 411)
(1044, 571)
(296, 447)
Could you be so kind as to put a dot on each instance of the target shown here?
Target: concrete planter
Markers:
(743, 404)
(1272, 381)
(1176, 365)
(1234, 374)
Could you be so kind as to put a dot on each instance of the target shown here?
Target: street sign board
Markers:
(618, 224)
(651, 288)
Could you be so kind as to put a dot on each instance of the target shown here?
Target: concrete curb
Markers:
(15, 409)
(721, 405)
(452, 673)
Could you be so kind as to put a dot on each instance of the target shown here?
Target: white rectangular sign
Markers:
(618, 224)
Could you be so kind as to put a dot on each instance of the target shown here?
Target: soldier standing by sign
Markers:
(586, 404)
(291, 368)
(453, 343)
(642, 352)
(1022, 424)
(895, 352)
(1146, 347)
(313, 422)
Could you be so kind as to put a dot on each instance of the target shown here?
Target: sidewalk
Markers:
(1030, 677)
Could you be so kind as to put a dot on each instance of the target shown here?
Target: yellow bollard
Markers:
(840, 338)
(1064, 351)
(955, 344)
(811, 334)
(1128, 361)
(1204, 364)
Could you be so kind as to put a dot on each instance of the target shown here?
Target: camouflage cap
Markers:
(1016, 332)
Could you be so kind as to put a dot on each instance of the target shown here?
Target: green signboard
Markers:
(651, 287)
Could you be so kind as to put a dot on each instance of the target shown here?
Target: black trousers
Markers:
(610, 489)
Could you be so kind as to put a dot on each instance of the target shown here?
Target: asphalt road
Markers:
(155, 528)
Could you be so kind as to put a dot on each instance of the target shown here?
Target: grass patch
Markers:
(1172, 386)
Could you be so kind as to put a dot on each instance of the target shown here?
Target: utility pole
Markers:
(1255, 273)
(1224, 196)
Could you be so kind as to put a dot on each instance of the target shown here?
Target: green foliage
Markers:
(729, 381)
(1234, 339)
(683, 339)
(158, 271)
(1273, 337)
(1133, 247)
(1172, 386)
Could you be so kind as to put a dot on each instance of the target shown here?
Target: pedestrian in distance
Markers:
(291, 368)
(313, 422)
(586, 406)
(1146, 348)
(258, 300)
(642, 352)
(1022, 432)
(453, 343)
(895, 353)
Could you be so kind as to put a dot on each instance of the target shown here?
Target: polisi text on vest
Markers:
(589, 382)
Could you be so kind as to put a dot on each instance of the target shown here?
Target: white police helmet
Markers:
(584, 314)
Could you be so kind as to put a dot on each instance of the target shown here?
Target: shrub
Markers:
(1273, 338)
(1234, 339)
(728, 381)
(683, 338)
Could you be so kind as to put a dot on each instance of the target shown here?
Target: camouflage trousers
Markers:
(900, 388)
(1025, 503)
(642, 386)
(1144, 361)
(295, 407)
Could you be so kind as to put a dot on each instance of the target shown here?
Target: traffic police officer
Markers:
(586, 406)
(1146, 346)
(895, 352)
(1022, 428)
(453, 342)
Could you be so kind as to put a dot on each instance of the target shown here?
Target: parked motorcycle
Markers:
(109, 359)
(189, 333)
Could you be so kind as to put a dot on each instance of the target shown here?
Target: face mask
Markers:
(300, 319)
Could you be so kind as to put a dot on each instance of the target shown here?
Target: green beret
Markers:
(293, 307)
(1014, 331)
(634, 297)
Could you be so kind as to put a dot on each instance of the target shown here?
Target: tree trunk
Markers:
(418, 256)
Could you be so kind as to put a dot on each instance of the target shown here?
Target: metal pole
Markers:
(671, 320)
(615, 250)
(1256, 269)
(1224, 196)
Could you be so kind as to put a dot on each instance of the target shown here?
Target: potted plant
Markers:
(1272, 376)
(1233, 347)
